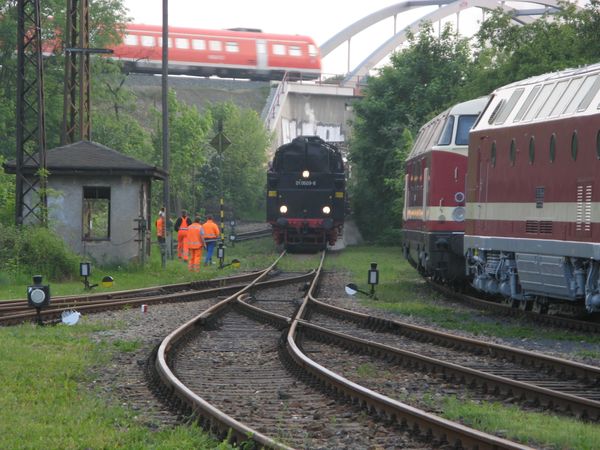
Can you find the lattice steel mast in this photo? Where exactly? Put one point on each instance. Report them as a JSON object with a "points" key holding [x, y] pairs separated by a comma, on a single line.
{"points": [[31, 200], [76, 111]]}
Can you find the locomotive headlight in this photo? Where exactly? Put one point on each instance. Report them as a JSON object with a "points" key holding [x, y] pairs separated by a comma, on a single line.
{"points": [[305, 174], [283, 209], [326, 209], [458, 214]]}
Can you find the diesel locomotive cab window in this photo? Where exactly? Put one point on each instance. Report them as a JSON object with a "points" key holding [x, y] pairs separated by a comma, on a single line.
{"points": [[96, 213], [446, 137], [465, 123]]}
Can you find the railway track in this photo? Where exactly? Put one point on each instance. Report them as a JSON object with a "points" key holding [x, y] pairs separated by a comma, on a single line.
{"points": [[587, 326], [254, 234], [17, 311], [528, 378], [239, 369]]}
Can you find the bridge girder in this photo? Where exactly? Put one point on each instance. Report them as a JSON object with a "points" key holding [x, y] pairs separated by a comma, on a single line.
{"points": [[449, 8]]}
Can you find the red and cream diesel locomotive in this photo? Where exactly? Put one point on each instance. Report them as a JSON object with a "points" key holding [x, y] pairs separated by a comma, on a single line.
{"points": [[434, 204], [533, 192], [234, 53]]}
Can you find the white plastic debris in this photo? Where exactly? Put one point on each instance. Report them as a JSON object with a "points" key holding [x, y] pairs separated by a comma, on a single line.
{"points": [[70, 317]]}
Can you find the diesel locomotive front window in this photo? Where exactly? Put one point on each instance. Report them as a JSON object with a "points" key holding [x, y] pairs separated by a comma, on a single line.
{"points": [[465, 123], [446, 137]]}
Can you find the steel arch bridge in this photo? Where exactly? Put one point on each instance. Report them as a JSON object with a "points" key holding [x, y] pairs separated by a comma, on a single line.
{"points": [[445, 9]]}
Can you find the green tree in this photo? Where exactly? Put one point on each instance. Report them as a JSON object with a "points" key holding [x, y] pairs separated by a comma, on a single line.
{"points": [[240, 170], [189, 133], [421, 80], [507, 52]]}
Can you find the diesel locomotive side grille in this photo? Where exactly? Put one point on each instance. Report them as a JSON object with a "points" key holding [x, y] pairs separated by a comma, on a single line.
{"points": [[532, 226], [583, 221], [545, 227], [538, 226]]}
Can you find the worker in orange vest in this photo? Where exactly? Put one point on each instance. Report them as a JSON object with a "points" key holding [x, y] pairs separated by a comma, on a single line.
{"points": [[181, 226], [160, 226], [211, 235], [195, 243], [161, 234]]}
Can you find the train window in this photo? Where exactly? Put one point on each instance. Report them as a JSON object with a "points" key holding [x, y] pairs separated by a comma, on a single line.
{"points": [[509, 106], [295, 50], [578, 98], [554, 98], [465, 123], [446, 137], [513, 152], [589, 95], [527, 103], [312, 50], [496, 110], [598, 144], [531, 149], [278, 49], [130, 39], [574, 145], [539, 101], [198, 44], [148, 41], [182, 43], [232, 47], [562, 103], [215, 46], [493, 154], [552, 147]]}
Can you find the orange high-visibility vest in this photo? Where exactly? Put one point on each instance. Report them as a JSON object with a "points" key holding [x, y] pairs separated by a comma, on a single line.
{"points": [[160, 227], [211, 230], [194, 236]]}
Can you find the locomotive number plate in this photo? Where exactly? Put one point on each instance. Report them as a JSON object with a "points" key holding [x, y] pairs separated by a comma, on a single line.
{"points": [[307, 183]]}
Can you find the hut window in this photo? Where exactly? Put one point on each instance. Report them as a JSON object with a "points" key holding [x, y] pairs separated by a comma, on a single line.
{"points": [[96, 213]]}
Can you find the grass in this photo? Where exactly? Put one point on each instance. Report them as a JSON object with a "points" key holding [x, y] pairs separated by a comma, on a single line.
{"points": [[45, 374], [45, 402], [535, 429], [402, 291]]}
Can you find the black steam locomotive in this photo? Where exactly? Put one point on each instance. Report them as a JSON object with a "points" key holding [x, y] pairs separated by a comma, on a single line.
{"points": [[306, 194]]}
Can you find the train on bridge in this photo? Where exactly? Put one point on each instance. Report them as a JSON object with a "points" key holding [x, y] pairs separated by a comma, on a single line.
{"points": [[233, 53]]}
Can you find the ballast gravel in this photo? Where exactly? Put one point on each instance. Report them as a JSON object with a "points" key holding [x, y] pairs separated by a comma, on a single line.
{"points": [[123, 379]]}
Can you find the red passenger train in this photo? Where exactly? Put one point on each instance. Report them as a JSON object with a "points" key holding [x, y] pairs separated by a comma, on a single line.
{"points": [[234, 53], [533, 192], [434, 208]]}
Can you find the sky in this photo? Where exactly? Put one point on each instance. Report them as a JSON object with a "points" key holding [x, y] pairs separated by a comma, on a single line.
{"points": [[319, 19]]}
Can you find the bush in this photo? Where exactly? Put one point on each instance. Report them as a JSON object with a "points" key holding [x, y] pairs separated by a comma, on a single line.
{"points": [[389, 237], [36, 250]]}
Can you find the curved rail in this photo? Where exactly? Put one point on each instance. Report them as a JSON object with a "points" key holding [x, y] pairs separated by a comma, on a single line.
{"points": [[219, 421], [442, 429]]}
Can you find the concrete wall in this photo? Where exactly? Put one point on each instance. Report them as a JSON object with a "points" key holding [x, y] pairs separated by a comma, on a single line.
{"points": [[312, 110], [65, 209]]}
